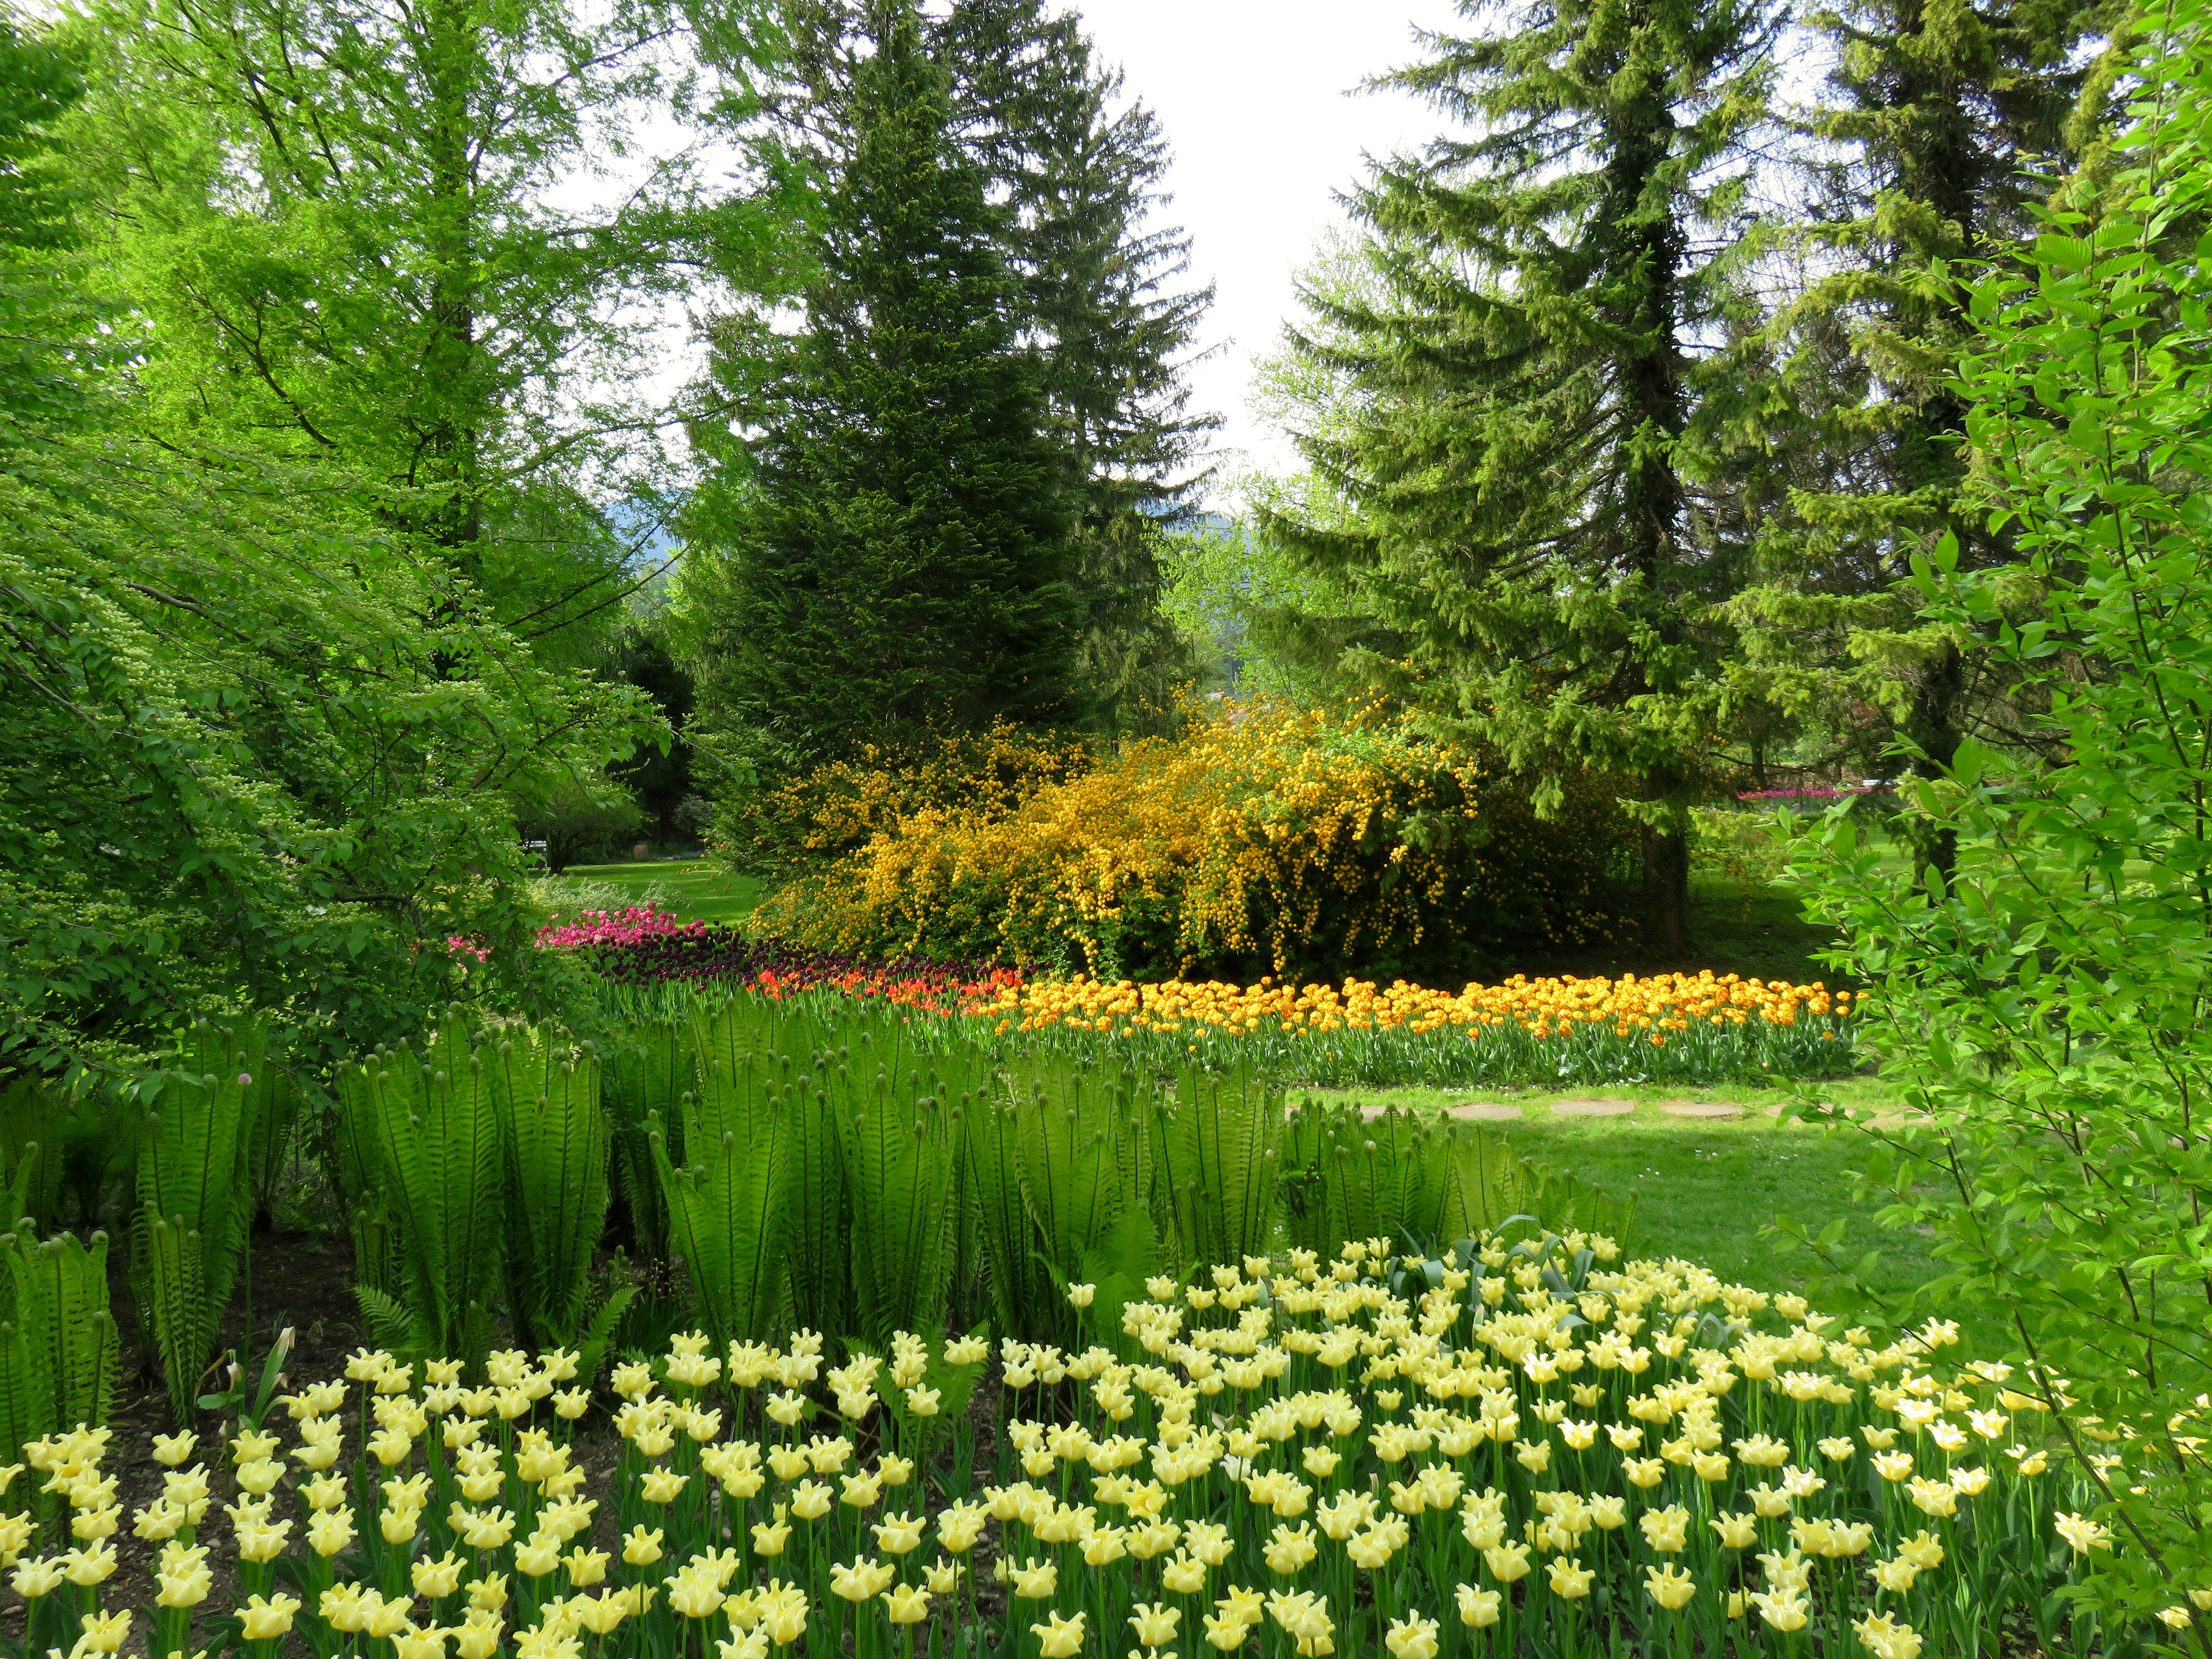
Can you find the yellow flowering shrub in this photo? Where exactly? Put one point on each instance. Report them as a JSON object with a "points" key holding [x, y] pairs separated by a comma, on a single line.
{"points": [[1261, 838]]}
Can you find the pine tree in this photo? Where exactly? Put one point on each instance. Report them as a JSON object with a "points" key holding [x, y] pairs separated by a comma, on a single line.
{"points": [[1524, 533], [1942, 123], [900, 542]]}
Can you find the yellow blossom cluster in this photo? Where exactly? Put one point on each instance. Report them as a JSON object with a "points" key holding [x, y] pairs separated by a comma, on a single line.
{"points": [[1368, 1453], [1655, 1006], [1690, 1028], [1257, 830]]}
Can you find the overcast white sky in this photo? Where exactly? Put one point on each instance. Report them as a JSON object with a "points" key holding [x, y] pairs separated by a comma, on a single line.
{"points": [[1252, 94]]}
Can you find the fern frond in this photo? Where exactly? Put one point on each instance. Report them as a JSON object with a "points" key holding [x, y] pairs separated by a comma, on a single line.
{"points": [[440, 1133], [651, 1065], [547, 1089], [31, 1116], [1220, 1165]]}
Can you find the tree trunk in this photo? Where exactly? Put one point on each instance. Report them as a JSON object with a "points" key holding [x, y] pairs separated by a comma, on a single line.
{"points": [[1666, 878], [1934, 726]]}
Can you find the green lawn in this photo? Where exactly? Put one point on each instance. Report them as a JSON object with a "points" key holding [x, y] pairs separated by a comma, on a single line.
{"points": [[696, 891], [1704, 1189]]}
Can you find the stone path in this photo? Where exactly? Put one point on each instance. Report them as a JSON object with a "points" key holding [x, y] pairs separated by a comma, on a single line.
{"points": [[1716, 1110], [1593, 1108]]}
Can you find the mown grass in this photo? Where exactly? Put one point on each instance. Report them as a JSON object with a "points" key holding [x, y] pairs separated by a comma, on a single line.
{"points": [[696, 891], [1706, 1189]]}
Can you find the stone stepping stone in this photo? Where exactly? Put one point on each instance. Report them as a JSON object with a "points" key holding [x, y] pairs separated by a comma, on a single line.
{"points": [[1484, 1111], [1716, 1110], [1593, 1108]]}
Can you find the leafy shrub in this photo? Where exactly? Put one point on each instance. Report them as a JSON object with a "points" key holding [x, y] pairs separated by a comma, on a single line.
{"points": [[1261, 838], [2045, 1007]]}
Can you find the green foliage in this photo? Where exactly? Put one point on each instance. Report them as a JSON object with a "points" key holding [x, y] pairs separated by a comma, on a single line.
{"points": [[1491, 1189], [1085, 1154], [195, 1197], [555, 1131], [1388, 1177], [1219, 1148], [1023, 1293], [1081, 164], [254, 753], [434, 1125], [2045, 1007], [901, 1140], [1934, 132], [651, 1065], [1413, 1181], [356, 1167], [581, 821], [341, 236], [729, 1204], [59, 1361], [273, 1105], [33, 1114]]}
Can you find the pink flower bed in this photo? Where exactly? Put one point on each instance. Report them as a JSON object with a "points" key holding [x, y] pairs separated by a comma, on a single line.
{"points": [[631, 926]]}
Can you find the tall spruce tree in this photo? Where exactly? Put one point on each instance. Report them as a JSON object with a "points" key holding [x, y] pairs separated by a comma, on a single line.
{"points": [[1940, 124], [1101, 312], [1523, 535], [899, 544]]}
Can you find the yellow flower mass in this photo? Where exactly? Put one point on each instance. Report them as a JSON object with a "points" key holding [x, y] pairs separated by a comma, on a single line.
{"points": [[1160, 1481]]}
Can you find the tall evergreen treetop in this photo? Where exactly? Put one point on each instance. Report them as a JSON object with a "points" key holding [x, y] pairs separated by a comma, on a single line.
{"points": [[1081, 172], [1940, 124], [1523, 396], [903, 555]]}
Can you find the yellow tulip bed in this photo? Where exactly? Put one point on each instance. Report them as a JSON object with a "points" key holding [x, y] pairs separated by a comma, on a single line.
{"points": [[1539, 1451], [1688, 1028]]}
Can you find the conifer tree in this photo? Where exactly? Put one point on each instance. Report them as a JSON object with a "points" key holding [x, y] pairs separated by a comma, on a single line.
{"points": [[1101, 314], [1523, 533], [1940, 124], [899, 545]]}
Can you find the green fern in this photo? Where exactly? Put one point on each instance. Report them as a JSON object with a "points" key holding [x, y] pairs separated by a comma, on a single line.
{"points": [[650, 1065], [1390, 1177], [434, 1126], [59, 1358], [556, 1138], [1492, 1190], [1220, 1165], [1083, 1160], [194, 1199], [359, 1171], [793, 1061], [32, 1115], [726, 1209], [900, 1131], [273, 1106], [1023, 1295]]}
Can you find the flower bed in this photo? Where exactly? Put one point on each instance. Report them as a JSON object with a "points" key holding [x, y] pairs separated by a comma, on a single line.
{"points": [[1686, 1028], [1427, 1457], [646, 951], [1677, 1027]]}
